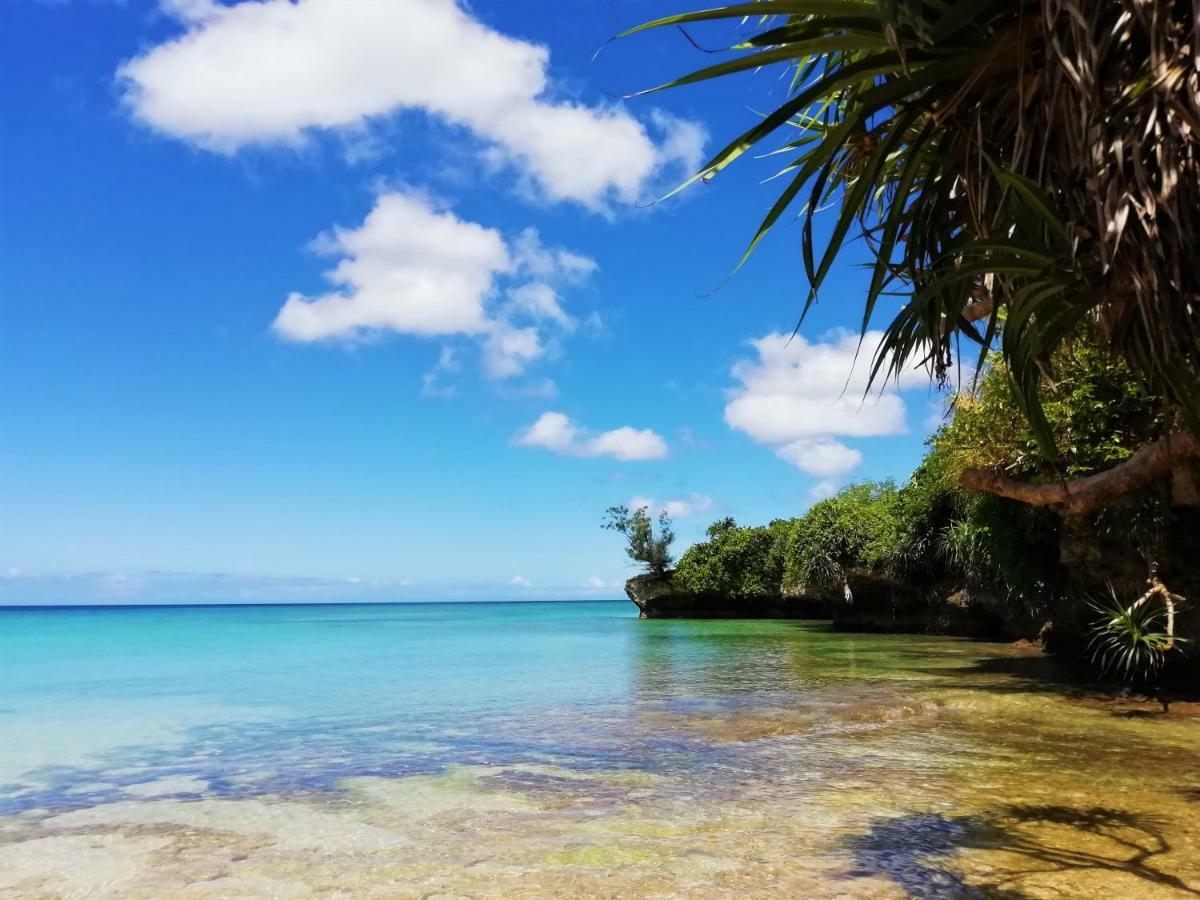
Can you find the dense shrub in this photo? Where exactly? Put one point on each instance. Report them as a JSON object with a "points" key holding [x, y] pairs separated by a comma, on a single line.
{"points": [[1097, 412], [736, 562], [858, 527]]}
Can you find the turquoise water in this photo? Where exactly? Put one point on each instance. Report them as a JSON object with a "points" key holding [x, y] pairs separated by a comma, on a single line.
{"points": [[529, 749], [283, 698]]}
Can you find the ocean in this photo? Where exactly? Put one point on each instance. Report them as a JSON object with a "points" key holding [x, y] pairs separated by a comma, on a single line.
{"points": [[565, 749]]}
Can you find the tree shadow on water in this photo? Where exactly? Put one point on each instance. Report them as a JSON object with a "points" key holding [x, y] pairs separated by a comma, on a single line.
{"points": [[917, 851]]}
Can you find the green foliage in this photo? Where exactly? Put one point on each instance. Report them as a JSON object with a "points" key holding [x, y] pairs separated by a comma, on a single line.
{"points": [[935, 130], [736, 562], [719, 527], [930, 530], [1130, 642], [1097, 413], [924, 506], [858, 527], [1004, 545], [651, 551]]}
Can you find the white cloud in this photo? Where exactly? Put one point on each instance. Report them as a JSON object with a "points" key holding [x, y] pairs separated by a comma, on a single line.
{"points": [[272, 72], [552, 431], [626, 443], [538, 300], [821, 456], [555, 432], [409, 268], [508, 350], [414, 268], [594, 582], [539, 261], [799, 396], [520, 581], [676, 508]]}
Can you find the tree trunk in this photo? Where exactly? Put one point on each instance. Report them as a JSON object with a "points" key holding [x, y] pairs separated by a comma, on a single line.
{"points": [[1147, 465]]}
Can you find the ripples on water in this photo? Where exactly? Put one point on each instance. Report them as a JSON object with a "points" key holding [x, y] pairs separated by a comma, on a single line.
{"points": [[559, 749]]}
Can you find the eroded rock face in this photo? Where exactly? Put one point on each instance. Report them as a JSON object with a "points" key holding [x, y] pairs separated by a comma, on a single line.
{"points": [[657, 597], [879, 603]]}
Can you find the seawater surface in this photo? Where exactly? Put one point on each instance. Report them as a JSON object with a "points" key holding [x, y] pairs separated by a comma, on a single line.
{"points": [[565, 749]]}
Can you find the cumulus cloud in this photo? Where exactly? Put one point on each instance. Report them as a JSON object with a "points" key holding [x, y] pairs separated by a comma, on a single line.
{"points": [[799, 396], [820, 456], [676, 508], [274, 71], [409, 268], [520, 581], [414, 268], [555, 432]]}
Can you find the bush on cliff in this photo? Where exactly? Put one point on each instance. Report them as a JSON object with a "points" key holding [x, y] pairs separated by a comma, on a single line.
{"points": [[736, 562], [858, 527]]}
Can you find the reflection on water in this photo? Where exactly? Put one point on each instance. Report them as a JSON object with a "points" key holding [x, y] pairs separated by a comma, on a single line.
{"points": [[537, 750]]}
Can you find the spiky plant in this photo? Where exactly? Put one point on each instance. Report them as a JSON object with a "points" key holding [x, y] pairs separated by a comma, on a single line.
{"points": [[1017, 167], [964, 545], [1131, 642]]}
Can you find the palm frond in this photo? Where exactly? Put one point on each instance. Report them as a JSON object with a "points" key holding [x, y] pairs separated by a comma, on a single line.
{"points": [[1035, 159]]}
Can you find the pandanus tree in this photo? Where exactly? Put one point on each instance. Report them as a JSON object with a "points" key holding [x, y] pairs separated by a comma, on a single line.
{"points": [[1024, 173]]}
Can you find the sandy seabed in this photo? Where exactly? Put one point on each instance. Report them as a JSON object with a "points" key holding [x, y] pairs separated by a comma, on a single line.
{"points": [[882, 817]]}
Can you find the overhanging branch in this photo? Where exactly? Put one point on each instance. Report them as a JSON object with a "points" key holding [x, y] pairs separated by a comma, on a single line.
{"points": [[1084, 494]]}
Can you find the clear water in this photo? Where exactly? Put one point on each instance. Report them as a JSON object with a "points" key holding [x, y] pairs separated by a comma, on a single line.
{"points": [[565, 749]]}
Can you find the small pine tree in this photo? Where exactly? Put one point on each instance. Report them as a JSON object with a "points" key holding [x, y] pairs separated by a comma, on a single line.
{"points": [[644, 547]]}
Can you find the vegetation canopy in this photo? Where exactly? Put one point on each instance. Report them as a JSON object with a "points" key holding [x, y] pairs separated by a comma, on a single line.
{"points": [[735, 562], [1021, 170]]}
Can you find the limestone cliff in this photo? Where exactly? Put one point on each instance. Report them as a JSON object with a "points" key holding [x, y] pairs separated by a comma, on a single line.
{"points": [[657, 597]]}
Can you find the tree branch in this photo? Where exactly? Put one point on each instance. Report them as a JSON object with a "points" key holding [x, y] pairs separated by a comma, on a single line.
{"points": [[979, 309], [1084, 494]]}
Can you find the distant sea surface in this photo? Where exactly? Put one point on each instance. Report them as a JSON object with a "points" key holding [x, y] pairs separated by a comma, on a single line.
{"points": [[564, 749]]}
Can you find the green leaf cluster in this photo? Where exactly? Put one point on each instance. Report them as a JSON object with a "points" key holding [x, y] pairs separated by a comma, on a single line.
{"points": [[1130, 642], [735, 562], [1097, 412], [858, 527]]}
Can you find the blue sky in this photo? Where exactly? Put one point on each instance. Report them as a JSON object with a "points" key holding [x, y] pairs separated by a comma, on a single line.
{"points": [[367, 300]]}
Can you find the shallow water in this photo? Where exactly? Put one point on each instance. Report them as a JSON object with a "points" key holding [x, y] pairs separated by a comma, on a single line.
{"points": [[532, 750]]}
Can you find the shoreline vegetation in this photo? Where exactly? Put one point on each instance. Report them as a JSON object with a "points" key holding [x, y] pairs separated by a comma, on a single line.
{"points": [[1025, 178], [934, 556]]}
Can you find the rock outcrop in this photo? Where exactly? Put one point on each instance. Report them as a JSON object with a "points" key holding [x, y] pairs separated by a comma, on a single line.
{"points": [[879, 603], [657, 597], [876, 603]]}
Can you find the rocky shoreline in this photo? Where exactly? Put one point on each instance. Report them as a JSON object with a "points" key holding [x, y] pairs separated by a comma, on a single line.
{"points": [[874, 603], [877, 603]]}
